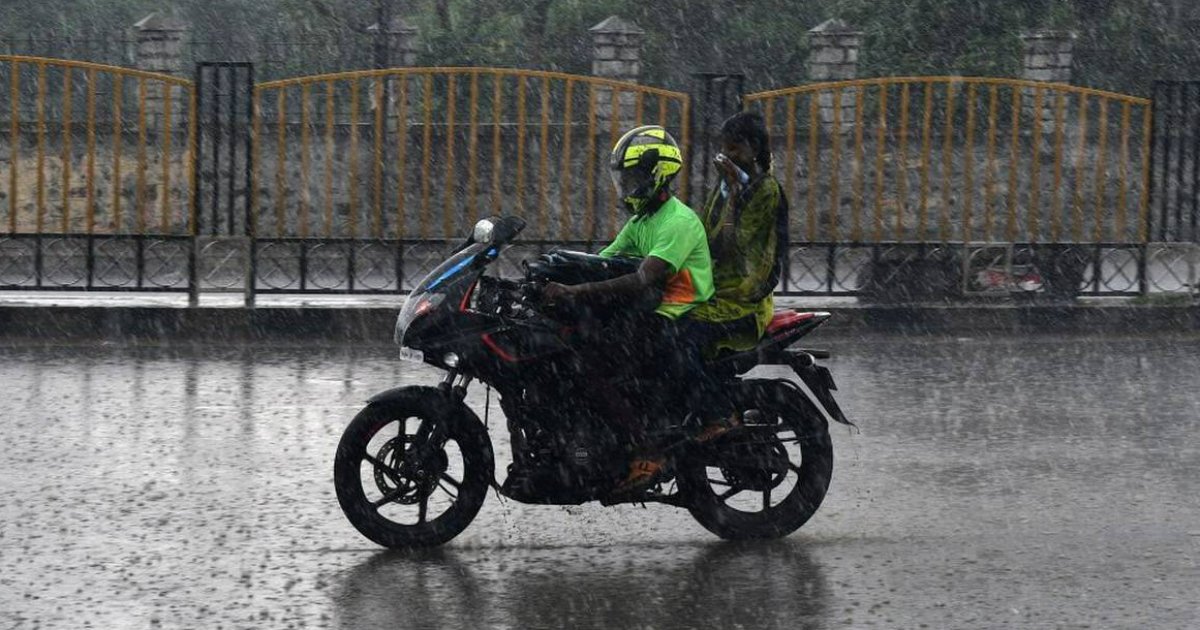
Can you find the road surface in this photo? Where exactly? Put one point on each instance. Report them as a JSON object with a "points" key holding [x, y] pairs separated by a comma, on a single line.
{"points": [[996, 483]]}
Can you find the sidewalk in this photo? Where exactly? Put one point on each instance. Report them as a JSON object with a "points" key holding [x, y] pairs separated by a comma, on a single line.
{"points": [[49, 317], [114, 299]]}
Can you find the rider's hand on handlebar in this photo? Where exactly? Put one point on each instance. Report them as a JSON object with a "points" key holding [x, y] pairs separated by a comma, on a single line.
{"points": [[555, 294]]}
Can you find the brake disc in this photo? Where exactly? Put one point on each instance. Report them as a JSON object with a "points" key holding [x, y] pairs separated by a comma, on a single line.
{"points": [[416, 482]]}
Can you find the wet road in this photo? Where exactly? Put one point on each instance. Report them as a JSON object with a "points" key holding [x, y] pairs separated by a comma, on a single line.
{"points": [[1039, 483]]}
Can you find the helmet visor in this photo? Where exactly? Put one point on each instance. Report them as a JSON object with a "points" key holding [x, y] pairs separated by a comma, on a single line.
{"points": [[628, 182]]}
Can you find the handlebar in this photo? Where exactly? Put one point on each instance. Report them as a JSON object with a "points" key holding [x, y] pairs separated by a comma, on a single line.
{"points": [[529, 293]]}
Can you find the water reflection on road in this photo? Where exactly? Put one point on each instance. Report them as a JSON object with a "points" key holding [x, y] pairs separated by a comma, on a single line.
{"points": [[719, 585]]}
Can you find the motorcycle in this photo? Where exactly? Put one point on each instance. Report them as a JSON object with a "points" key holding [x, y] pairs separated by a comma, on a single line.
{"points": [[413, 468]]}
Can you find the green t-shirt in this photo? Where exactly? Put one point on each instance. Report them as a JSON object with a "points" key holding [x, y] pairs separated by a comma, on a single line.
{"points": [[675, 234]]}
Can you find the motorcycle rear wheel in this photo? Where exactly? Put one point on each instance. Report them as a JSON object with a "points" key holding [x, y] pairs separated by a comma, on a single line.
{"points": [[717, 476], [370, 461]]}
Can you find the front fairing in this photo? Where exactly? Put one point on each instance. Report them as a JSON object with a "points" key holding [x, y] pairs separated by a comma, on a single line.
{"points": [[427, 316], [444, 288]]}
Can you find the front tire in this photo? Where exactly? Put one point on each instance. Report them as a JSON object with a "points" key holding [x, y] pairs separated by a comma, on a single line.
{"points": [[768, 478], [380, 480]]}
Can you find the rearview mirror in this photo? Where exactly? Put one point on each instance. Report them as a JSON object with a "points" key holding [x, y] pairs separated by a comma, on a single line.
{"points": [[497, 230], [484, 231]]}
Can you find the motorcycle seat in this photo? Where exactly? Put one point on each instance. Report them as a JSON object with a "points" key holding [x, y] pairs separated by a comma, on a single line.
{"points": [[784, 328]]}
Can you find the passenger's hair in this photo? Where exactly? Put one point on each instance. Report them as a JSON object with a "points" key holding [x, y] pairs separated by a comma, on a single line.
{"points": [[748, 127]]}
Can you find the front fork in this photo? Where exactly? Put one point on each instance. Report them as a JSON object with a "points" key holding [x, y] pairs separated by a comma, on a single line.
{"points": [[431, 435], [455, 385]]}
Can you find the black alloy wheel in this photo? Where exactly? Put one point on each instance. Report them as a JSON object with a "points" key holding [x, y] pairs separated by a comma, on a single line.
{"points": [[401, 491], [767, 478]]}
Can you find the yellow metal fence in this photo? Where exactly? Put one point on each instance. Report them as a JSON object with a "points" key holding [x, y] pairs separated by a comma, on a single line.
{"points": [[423, 152], [942, 159], [94, 149]]}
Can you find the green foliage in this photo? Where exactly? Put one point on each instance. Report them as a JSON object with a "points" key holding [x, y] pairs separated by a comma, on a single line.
{"points": [[71, 17], [1122, 45]]}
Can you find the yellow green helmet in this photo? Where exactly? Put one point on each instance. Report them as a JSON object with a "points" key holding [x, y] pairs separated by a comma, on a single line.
{"points": [[642, 165]]}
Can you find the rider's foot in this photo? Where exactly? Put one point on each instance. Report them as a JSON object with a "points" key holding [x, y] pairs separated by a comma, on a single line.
{"points": [[718, 427], [644, 472]]}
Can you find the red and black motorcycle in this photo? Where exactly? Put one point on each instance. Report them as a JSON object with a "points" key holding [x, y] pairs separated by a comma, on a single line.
{"points": [[413, 468]]}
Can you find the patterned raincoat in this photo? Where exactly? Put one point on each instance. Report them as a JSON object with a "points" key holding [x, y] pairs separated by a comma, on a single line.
{"points": [[742, 238]]}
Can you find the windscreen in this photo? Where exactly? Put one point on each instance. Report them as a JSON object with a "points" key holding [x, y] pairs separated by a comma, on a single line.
{"points": [[430, 291], [443, 274]]}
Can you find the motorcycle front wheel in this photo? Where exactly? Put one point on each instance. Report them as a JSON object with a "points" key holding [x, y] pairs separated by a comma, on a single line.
{"points": [[402, 492], [767, 478]]}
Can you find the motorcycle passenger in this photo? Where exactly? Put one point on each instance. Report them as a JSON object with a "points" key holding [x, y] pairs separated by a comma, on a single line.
{"points": [[675, 275], [746, 222]]}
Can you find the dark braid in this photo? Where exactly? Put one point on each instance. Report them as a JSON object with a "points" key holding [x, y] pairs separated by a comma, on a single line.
{"points": [[749, 127]]}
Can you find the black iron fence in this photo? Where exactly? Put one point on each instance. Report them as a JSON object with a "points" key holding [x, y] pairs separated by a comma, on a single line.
{"points": [[896, 272], [1175, 177], [905, 272]]}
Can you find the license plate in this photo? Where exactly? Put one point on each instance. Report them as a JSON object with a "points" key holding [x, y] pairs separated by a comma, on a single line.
{"points": [[408, 354]]}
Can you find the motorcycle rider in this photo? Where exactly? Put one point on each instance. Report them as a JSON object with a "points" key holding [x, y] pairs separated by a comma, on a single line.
{"points": [[675, 276]]}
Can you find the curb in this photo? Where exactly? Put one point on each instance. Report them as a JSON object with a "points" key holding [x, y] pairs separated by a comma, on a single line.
{"points": [[355, 325]]}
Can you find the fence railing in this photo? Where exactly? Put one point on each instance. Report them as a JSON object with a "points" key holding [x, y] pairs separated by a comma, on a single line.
{"points": [[423, 152], [946, 159], [112, 178], [94, 149]]}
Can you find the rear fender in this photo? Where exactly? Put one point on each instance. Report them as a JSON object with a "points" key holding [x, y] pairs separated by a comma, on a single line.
{"points": [[816, 382]]}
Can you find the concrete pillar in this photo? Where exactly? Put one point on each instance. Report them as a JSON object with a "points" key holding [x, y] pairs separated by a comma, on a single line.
{"points": [[158, 47], [616, 54], [159, 44], [402, 40], [1048, 57], [833, 49]]}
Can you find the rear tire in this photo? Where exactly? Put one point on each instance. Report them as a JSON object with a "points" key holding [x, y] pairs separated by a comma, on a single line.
{"points": [[354, 474], [800, 430]]}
